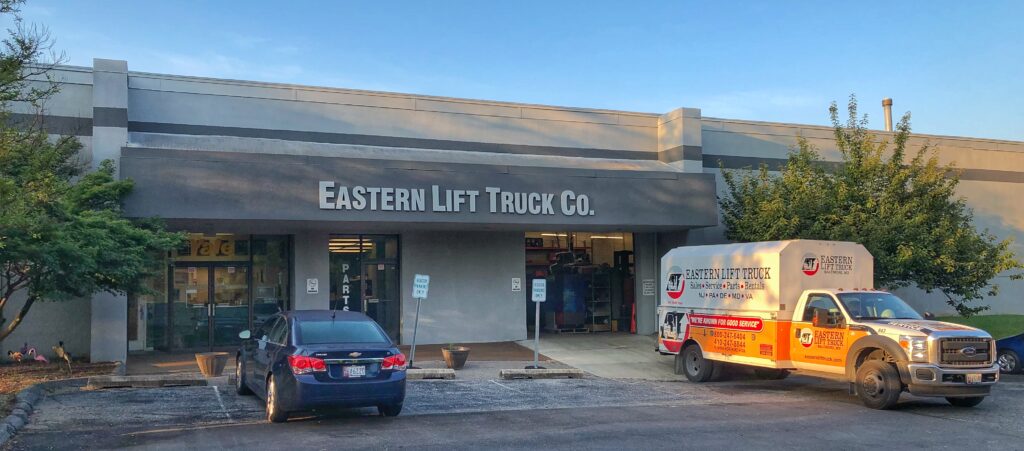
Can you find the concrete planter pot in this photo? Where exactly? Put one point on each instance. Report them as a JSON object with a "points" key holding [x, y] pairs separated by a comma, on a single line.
{"points": [[211, 364], [455, 356]]}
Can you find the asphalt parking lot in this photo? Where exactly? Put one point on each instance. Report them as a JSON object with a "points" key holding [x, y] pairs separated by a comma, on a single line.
{"points": [[800, 412]]}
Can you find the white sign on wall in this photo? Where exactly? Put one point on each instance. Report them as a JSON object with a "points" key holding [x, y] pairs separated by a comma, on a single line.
{"points": [[540, 290], [312, 286], [517, 284], [648, 287], [419, 286]]}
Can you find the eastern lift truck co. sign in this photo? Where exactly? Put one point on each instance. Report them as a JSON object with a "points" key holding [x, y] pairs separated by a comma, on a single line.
{"points": [[443, 200]]}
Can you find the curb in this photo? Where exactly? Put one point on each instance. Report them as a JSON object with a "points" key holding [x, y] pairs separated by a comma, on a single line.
{"points": [[571, 373], [156, 381], [25, 403], [429, 373]]}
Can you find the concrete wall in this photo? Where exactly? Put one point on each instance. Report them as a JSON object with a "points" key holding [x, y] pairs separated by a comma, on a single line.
{"points": [[311, 261], [470, 297], [48, 323], [158, 100]]}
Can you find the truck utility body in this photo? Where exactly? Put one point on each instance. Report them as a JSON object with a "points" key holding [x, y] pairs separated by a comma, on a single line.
{"points": [[808, 305]]}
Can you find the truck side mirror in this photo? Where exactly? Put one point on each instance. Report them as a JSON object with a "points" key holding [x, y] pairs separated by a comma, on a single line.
{"points": [[929, 315]]}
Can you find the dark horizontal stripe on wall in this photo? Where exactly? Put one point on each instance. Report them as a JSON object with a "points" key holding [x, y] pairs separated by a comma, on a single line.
{"points": [[679, 153], [54, 125], [110, 117], [734, 162], [387, 141]]}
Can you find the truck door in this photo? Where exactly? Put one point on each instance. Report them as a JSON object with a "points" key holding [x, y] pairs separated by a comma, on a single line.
{"points": [[819, 345]]}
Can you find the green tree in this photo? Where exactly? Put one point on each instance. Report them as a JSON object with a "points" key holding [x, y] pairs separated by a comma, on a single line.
{"points": [[902, 208], [62, 231]]}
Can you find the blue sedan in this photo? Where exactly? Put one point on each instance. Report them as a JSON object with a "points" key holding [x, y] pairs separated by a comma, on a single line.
{"points": [[303, 360], [1010, 350]]}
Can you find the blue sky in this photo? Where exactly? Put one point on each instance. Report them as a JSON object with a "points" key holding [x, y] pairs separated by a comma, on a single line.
{"points": [[957, 66]]}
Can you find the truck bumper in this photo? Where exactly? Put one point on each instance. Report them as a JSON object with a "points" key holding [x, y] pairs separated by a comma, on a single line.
{"points": [[931, 380]]}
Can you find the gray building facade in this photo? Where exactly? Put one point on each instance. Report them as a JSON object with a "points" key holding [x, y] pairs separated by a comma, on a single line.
{"points": [[311, 198]]}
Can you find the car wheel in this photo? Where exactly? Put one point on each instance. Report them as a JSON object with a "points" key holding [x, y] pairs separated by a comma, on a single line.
{"points": [[391, 410], [275, 414], [1009, 362], [695, 367], [878, 385], [966, 402], [241, 386], [770, 374]]}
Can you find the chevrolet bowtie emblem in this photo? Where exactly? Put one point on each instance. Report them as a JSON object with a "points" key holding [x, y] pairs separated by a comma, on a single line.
{"points": [[355, 354]]}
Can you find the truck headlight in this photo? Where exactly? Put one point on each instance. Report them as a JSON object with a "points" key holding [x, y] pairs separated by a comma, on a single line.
{"points": [[916, 347]]}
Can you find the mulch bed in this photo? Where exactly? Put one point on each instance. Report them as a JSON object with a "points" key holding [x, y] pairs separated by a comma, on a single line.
{"points": [[15, 377]]}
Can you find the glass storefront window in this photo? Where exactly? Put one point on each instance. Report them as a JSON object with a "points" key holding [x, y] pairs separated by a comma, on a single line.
{"points": [[270, 277], [147, 315], [219, 284]]}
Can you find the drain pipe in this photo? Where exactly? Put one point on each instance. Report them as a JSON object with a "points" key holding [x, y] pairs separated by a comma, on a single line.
{"points": [[887, 108]]}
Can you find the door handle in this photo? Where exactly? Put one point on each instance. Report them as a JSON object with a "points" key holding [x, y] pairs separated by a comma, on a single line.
{"points": [[797, 333]]}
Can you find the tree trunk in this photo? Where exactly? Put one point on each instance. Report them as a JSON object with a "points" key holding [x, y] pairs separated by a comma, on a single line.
{"points": [[17, 319]]}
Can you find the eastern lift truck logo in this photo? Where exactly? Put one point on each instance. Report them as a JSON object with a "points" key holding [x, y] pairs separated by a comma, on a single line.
{"points": [[676, 283], [827, 264], [811, 265]]}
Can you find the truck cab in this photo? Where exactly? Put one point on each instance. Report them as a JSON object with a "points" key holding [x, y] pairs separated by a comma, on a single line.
{"points": [[843, 331]]}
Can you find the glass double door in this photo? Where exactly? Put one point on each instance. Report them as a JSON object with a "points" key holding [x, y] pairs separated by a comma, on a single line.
{"points": [[209, 304]]}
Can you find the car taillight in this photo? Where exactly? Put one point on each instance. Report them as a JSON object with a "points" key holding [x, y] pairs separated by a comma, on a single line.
{"points": [[396, 362], [304, 365]]}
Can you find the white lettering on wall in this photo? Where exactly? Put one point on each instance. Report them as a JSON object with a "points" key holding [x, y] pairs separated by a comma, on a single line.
{"points": [[443, 200]]}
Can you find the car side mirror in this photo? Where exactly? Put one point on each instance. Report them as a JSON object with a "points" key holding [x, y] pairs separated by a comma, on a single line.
{"points": [[245, 334], [929, 315]]}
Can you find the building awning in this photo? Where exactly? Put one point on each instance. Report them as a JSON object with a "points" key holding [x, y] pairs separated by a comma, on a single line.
{"points": [[316, 191]]}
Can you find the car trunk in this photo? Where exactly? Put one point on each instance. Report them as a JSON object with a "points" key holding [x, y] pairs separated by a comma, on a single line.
{"points": [[351, 362]]}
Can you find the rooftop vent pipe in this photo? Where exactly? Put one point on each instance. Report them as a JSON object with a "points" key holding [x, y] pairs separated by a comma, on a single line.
{"points": [[887, 107]]}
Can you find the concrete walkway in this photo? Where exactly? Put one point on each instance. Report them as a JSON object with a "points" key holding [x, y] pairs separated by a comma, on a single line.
{"points": [[610, 355]]}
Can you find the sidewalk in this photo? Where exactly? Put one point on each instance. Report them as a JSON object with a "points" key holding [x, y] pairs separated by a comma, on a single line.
{"points": [[427, 356], [159, 362], [610, 355]]}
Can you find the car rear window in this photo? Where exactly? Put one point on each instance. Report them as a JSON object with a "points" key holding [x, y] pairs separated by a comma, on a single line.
{"points": [[323, 332]]}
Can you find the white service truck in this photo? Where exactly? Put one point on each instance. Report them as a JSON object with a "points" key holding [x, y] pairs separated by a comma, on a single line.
{"points": [[810, 305]]}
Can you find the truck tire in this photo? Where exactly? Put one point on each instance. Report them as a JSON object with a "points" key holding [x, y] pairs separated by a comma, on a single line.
{"points": [[694, 366], [969, 401], [1009, 361], [770, 374], [878, 384]]}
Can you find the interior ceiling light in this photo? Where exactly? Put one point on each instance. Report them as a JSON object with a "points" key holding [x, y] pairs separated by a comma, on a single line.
{"points": [[553, 234], [602, 237]]}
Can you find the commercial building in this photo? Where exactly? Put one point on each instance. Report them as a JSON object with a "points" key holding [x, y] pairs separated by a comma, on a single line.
{"points": [[300, 197]]}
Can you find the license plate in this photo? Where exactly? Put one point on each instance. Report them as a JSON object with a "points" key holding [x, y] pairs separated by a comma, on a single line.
{"points": [[973, 378], [360, 371]]}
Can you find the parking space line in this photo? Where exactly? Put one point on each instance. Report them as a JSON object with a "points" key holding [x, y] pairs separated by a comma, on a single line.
{"points": [[220, 400], [504, 386]]}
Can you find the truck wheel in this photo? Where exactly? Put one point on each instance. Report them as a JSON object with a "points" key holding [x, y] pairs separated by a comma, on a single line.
{"points": [[770, 374], [970, 401], [1009, 361], [878, 385], [695, 367]]}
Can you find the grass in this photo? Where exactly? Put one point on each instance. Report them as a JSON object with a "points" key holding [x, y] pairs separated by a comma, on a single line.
{"points": [[15, 377], [999, 326]]}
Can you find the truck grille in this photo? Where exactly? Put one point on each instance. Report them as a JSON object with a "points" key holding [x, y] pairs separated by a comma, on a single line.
{"points": [[958, 351]]}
